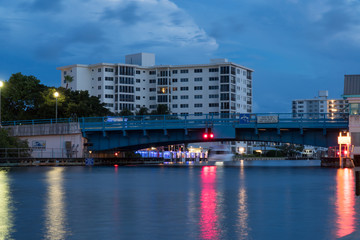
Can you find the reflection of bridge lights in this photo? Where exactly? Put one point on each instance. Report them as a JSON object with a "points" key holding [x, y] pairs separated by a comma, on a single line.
{"points": [[345, 203], [208, 215]]}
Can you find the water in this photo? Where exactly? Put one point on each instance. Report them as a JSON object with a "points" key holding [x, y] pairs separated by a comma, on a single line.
{"points": [[255, 200]]}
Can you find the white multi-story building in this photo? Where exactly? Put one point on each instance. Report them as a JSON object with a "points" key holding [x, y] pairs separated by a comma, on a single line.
{"points": [[320, 104], [217, 87]]}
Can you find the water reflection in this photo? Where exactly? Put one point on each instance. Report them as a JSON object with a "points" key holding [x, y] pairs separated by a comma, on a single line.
{"points": [[345, 202], [6, 215], [55, 207], [243, 214], [208, 216]]}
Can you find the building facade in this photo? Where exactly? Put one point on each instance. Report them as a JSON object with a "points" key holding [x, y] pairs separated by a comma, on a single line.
{"points": [[318, 106], [217, 87]]}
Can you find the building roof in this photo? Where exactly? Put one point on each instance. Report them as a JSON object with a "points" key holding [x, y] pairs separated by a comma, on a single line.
{"points": [[351, 85]]}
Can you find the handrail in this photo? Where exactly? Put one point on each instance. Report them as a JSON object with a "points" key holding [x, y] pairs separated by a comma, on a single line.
{"points": [[137, 121]]}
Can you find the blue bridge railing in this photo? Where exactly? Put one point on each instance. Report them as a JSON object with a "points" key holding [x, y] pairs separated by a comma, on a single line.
{"points": [[250, 120]]}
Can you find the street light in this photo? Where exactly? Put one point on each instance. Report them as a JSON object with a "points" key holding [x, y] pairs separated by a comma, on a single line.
{"points": [[1, 85], [56, 95]]}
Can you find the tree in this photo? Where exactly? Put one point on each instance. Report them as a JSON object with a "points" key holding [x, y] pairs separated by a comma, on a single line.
{"points": [[68, 79], [22, 97], [142, 111], [162, 109], [25, 98], [7, 141], [126, 112]]}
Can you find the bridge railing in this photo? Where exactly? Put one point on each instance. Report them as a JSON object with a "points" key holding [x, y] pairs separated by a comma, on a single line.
{"points": [[207, 120], [37, 121]]}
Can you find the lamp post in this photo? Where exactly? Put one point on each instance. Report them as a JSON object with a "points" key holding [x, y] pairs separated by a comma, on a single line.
{"points": [[56, 95], [1, 85]]}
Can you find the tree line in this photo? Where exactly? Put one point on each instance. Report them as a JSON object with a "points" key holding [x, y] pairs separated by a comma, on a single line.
{"points": [[25, 98]]}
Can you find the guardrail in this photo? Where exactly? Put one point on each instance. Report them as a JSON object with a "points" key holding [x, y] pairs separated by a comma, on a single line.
{"points": [[210, 120], [190, 120], [27, 153]]}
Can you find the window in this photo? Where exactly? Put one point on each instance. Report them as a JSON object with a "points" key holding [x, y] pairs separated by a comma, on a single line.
{"points": [[224, 79], [174, 71], [99, 87], [109, 70], [184, 71], [184, 88], [162, 81], [152, 81], [213, 96], [109, 79], [99, 96], [174, 97], [198, 105], [99, 69], [109, 96], [138, 80], [224, 70], [174, 105], [174, 89], [213, 104], [213, 87], [213, 69], [224, 88], [174, 80], [198, 96], [184, 97], [184, 105], [224, 96], [137, 97], [196, 88], [109, 87], [137, 89], [152, 89], [213, 79], [199, 70], [184, 80], [152, 72], [152, 98], [198, 113], [198, 79], [99, 78], [152, 106], [138, 72]]}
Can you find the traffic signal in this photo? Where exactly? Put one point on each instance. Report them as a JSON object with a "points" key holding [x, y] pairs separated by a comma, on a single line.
{"points": [[208, 135]]}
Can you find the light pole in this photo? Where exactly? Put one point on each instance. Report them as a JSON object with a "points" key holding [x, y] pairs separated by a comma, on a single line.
{"points": [[1, 85], [56, 95]]}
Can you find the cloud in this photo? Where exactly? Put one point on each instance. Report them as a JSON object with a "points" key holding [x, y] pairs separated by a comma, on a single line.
{"points": [[80, 27], [53, 6]]}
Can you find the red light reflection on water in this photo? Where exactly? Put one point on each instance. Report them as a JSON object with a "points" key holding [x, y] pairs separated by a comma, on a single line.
{"points": [[208, 215], [345, 202]]}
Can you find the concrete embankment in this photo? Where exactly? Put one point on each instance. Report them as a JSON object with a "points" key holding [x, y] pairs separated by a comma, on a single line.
{"points": [[24, 162]]}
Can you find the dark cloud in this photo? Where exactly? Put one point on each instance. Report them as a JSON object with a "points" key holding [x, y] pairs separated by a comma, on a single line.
{"points": [[90, 34], [53, 6], [338, 20], [126, 14]]}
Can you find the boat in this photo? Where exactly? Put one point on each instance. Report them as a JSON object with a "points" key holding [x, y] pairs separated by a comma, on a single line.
{"points": [[219, 153]]}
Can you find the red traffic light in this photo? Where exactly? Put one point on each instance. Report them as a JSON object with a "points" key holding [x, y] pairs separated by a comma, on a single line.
{"points": [[205, 136], [211, 135]]}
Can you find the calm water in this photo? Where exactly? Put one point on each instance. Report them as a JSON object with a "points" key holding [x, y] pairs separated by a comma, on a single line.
{"points": [[258, 200]]}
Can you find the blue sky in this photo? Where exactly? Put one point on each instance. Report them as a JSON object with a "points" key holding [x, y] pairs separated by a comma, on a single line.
{"points": [[296, 48]]}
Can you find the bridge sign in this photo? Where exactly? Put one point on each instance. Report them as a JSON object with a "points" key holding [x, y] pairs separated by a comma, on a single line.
{"points": [[268, 119], [244, 118]]}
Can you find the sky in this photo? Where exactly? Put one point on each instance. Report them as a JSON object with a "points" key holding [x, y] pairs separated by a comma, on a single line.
{"points": [[295, 47]]}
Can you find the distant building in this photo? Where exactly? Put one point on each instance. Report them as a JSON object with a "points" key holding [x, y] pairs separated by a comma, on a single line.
{"points": [[213, 88], [318, 106], [217, 87], [352, 95]]}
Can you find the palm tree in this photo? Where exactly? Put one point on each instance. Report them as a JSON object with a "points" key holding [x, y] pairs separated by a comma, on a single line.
{"points": [[68, 79]]}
